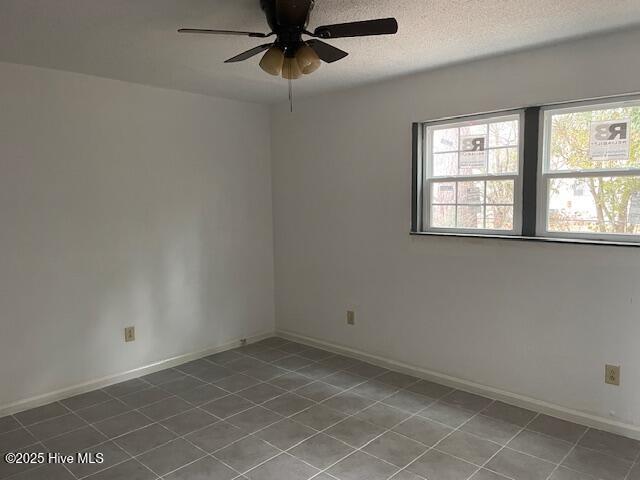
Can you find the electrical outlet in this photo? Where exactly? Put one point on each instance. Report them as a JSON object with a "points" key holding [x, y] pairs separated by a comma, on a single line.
{"points": [[612, 374], [351, 317], [129, 334], [243, 342]]}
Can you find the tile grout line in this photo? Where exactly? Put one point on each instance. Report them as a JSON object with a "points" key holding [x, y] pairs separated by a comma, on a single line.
{"points": [[573, 447], [131, 457], [387, 430], [537, 414], [317, 432], [457, 429], [72, 412], [633, 465], [250, 435], [185, 374], [381, 401], [429, 447], [317, 403], [599, 452], [153, 422], [522, 429], [158, 422], [44, 446], [112, 439], [296, 413], [312, 380], [343, 368], [454, 429]]}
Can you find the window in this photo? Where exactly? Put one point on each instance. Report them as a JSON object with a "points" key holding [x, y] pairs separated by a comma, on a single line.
{"points": [[472, 182], [590, 175], [554, 173]]}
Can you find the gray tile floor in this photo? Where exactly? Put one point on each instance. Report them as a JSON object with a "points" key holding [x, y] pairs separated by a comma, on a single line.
{"points": [[278, 410]]}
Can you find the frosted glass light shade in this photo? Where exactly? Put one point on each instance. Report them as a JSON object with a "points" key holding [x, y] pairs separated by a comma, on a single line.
{"points": [[272, 61], [308, 59], [291, 69]]}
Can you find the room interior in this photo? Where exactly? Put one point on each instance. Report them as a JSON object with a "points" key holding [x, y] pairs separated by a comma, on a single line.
{"points": [[404, 249]]}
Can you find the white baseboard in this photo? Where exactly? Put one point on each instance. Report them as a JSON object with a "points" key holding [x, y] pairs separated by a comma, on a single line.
{"points": [[67, 392], [569, 414]]}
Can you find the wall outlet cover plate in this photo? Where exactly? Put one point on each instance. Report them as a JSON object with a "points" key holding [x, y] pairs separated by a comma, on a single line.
{"points": [[129, 334], [612, 374], [351, 317]]}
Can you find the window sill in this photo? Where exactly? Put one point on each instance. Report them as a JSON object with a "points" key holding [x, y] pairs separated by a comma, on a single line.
{"points": [[569, 241]]}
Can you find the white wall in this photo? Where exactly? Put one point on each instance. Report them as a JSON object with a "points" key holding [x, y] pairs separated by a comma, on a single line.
{"points": [[539, 320], [122, 205]]}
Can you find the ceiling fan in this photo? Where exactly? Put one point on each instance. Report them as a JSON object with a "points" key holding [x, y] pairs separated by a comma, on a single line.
{"points": [[290, 55]]}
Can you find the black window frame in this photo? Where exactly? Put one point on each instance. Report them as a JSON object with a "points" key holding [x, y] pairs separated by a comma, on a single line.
{"points": [[532, 133]]}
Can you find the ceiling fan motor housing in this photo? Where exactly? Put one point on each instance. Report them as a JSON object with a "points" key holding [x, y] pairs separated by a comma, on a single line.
{"points": [[288, 20]]}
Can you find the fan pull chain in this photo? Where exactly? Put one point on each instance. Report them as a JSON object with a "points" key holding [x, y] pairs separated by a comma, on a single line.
{"points": [[290, 91]]}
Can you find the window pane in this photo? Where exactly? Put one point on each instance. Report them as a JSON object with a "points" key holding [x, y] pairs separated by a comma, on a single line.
{"points": [[475, 147], [503, 134], [500, 192], [499, 218], [604, 205], [598, 139], [443, 216], [503, 161], [445, 140], [470, 192], [470, 217], [443, 192], [471, 169], [445, 164], [477, 128]]}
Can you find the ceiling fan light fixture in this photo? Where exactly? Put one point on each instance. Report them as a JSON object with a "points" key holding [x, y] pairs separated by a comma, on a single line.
{"points": [[289, 55], [272, 61], [291, 69], [308, 60]]}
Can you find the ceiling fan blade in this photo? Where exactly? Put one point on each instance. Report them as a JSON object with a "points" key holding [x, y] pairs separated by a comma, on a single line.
{"points": [[224, 32], [249, 53], [383, 26], [327, 53], [293, 12]]}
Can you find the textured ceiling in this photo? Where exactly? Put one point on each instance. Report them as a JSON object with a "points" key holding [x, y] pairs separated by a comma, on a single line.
{"points": [[136, 40]]}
